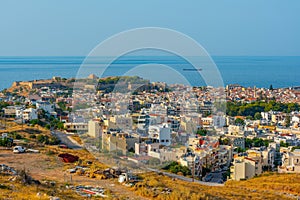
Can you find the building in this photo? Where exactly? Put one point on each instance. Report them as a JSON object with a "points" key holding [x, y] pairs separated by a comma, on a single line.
{"points": [[174, 124], [123, 122], [76, 127], [143, 120], [27, 114], [45, 105], [165, 154], [207, 122], [193, 162], [118, 142], [245, 168], [290, 162], [94, 129], [237, 141], [10, 111], [160, 134], [278, 117], [219, 121], [269, 155], [235, 130], [141, 149]]}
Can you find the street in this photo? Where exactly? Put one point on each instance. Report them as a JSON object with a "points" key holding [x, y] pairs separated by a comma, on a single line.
{"points": [[65, 139], [185, 178]]}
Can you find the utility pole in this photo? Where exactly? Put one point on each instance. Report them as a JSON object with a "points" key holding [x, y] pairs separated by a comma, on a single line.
{"points": [[193, 163], [116, 148], [22, 119]]}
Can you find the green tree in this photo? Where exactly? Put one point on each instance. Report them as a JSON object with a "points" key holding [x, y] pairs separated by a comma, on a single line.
{"points": [[3, 104], [36, 121], [240, 150], [239, 121], [250, 109], [7, 142], [224, 141], [175, 168], [256, 142], [257, 116], [283, 144], [53, 140], [48, 126], [201, 132], [42, 138], [287, 121]]}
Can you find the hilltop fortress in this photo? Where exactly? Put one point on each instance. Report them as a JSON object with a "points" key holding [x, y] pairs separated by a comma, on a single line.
{"points": [[54, 82]]}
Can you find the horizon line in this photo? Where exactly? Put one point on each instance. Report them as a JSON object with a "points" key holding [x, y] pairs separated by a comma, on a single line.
{"points": [[23, 56]]}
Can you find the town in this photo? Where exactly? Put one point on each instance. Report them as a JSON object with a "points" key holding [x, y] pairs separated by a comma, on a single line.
{"points": [[153, 126]]}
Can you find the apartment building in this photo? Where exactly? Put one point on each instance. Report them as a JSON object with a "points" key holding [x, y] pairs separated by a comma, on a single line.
{"points": [[245, 168], [76, 127], [94, 129], [27, 114], [290, 162], [118, 142], [160, 134]]}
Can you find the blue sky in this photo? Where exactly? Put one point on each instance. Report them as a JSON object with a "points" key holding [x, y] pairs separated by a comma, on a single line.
{"points": [[223, 27]]}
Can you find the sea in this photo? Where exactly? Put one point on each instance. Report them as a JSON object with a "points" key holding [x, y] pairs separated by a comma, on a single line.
{"points": [[248, 71]]}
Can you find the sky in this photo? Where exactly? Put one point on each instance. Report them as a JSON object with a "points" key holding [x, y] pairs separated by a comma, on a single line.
{"points": [[222, 27]]}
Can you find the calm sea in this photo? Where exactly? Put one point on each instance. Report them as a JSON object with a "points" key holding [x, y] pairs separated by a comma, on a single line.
{"points": [[246, 71]]}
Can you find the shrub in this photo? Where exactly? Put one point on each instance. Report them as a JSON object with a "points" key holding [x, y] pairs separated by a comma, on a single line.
{"points": [[17, 136], [52, 140], [6, 142], [32, 136], [176, 168]]}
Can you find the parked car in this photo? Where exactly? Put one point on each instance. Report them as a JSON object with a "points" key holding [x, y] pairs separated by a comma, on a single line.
{"points": [[19, 149], [63, 146], [208, 177]]}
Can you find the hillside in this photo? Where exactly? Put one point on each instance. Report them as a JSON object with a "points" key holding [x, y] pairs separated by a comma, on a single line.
{"points": [[270, 186], [45, 166]]}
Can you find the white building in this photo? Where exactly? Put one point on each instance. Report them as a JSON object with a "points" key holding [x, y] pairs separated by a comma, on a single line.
{"points": [[219, 121], [27, 114], [268, 157], [45, 105], [266, 116], [166, 153], [295, 118], [290, 162], [161, 134]]}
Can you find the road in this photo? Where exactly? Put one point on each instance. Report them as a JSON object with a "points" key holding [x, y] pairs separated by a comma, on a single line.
{"points": [[184, 178], [65, 139]]}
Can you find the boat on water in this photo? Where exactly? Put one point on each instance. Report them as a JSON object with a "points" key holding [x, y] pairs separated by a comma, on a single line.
{"points": [[191, 69]]}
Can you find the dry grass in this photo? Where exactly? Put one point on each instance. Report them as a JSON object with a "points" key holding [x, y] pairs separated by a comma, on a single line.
{"points": [[283, 186], [77, 139], [24, 130], [271, 183], [15, 190]]}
